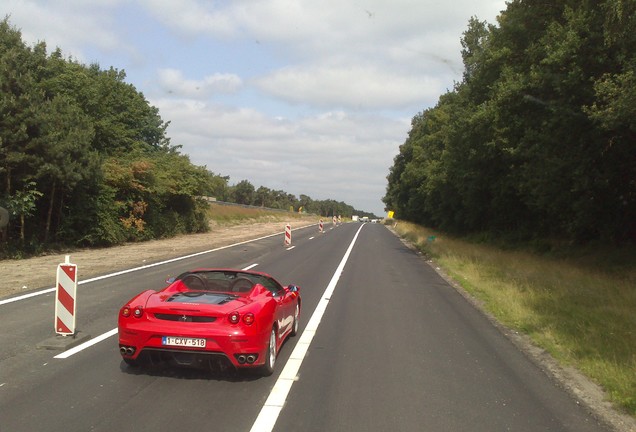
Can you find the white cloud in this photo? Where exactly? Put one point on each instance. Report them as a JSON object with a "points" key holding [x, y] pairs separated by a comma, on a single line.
{"points": [[191, 17], [70, 25], [352, 86], [331, 155], [335, 53], [173, 81]]}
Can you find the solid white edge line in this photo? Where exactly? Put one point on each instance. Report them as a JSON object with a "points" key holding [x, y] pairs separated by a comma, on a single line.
{"points": [[26, 296], [75, 350], [49, 290], [274, 404]]}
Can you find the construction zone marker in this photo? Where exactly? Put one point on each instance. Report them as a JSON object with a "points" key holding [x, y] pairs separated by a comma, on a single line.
{"points": [[287, 235], [65, 296]]}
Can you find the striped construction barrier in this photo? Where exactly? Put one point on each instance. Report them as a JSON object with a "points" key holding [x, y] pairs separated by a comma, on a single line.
{"points": [[287, 235], [65, 298]]}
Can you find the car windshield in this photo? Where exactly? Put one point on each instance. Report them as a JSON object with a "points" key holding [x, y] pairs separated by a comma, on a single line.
{"points": [[226, 281]]}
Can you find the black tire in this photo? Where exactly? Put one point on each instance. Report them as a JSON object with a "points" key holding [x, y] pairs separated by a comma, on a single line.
{"points": [[270, 355], [294, 331]]}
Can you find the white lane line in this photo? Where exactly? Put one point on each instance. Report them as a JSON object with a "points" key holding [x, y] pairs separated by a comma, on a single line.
{"points": [[26, 296], [250, 266], [291, 247], [274, 404], [311, 238], [75, 350], [49, 290]]}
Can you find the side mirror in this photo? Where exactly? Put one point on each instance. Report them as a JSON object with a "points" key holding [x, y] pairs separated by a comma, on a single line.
{"points": [[292, 288]]}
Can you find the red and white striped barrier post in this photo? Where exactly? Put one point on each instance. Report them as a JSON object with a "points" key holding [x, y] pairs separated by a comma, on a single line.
{"points": [[287, 235], [321, 226], [65, 298]]}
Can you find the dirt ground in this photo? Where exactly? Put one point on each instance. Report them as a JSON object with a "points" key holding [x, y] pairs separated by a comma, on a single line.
{"points": [[21, 276]]}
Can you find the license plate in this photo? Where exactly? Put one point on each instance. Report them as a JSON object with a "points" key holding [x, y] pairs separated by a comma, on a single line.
{"points": [[182, 341]]}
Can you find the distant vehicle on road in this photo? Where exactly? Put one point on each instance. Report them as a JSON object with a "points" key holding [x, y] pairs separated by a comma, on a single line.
{"points": [[211, 317]]}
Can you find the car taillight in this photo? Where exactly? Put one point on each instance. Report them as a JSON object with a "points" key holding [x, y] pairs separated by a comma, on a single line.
{"points": [[125, 311], [138, 312], [235, 318], [248, 318]]}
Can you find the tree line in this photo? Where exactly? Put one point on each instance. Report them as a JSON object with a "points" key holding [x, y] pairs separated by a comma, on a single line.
{"points": [[246, 193], [539, 137], [85, 159]]}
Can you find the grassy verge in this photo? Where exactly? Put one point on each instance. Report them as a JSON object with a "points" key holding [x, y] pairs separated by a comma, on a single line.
{"points": [[573, 304], [227, 215]]}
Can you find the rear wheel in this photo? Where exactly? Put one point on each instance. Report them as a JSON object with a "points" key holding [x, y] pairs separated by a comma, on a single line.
{"points": [[294, 331], [270, 355]]}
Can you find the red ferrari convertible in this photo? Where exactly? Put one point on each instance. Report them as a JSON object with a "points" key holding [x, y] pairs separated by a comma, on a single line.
{"points": [[211, 317]]}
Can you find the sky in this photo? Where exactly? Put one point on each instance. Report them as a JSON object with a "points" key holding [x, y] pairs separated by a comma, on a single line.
{"points": [[311, 97]]}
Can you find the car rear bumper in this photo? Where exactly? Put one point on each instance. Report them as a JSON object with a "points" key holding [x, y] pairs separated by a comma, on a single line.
{"points": [[240, 348]]}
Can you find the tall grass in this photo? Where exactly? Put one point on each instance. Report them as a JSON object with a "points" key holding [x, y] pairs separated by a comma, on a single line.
{"points": [[231, 215], [582, 312]]}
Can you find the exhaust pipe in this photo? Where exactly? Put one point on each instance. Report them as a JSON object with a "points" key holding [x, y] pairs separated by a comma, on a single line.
{"points": [[127, 350], [251, 358], [241, 359]]}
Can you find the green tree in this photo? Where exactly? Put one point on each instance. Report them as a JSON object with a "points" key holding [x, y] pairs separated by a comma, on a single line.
{"points": [[263, 197], [65, 158], [243, 192], [18, 102], [23, 204], [538, 137], [217, 186]]}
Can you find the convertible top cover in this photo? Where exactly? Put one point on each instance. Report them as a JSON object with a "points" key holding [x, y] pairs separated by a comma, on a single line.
{"points": [[201, 298]]}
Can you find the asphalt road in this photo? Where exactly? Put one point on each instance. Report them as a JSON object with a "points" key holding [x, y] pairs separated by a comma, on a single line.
{"points": [[396, 349]]}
